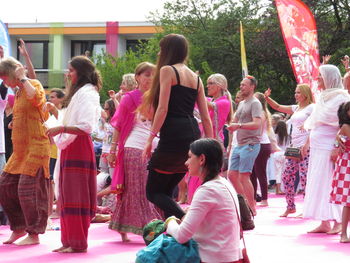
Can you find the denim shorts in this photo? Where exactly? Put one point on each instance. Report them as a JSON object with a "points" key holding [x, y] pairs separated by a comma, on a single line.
{"points": [[243, 157]]}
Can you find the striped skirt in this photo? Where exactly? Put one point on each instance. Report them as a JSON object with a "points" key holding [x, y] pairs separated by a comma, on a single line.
{"points": [[77, 187]]}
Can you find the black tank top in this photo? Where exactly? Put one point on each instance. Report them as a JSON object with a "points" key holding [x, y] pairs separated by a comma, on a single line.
{"points": [[182, 99]]}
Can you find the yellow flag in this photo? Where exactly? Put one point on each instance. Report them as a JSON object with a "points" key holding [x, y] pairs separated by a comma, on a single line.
{"points": [[243, 54]]}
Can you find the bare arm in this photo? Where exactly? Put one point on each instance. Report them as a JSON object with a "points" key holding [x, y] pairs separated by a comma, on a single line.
{"points": [[282, 108], [253, 125], [24, 53], [65, 129], [203, 110], [28, 87]]}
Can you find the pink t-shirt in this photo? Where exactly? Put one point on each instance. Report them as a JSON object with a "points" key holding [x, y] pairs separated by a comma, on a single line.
{"points": [[222, 107]]}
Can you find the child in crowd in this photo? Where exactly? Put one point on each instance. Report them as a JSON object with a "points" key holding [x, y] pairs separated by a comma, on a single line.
{"points": [[341, 179]]}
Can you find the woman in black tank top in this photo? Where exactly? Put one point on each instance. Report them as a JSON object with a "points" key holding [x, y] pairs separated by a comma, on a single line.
{"points": [[174, 92]]}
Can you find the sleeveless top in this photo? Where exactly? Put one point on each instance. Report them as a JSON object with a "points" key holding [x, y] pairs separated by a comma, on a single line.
{"points": [[178, 131]]}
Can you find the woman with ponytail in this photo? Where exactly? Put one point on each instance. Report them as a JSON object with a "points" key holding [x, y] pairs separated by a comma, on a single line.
{"points": [[172, 96], [77, 175]]}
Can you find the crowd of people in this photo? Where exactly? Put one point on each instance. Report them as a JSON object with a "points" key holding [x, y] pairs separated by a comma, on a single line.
{"points": [[160, 140]]}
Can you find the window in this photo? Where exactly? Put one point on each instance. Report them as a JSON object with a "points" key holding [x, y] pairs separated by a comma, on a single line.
{"points": [[38, 53], [79, 47]]}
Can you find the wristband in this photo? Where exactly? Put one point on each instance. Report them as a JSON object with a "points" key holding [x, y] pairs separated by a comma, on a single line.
{"points": [[336, 144], [168, 220], [154, 134]]}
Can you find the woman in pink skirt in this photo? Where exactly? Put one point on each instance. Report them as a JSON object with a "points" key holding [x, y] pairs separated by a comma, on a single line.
{"points": [[133, 210]]}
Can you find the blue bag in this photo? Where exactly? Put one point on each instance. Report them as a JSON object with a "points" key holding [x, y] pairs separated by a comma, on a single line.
{"points": [[165, 249]]}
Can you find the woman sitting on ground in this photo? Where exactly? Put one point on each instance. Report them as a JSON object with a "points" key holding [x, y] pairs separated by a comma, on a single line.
{"points": [[214, 200]]}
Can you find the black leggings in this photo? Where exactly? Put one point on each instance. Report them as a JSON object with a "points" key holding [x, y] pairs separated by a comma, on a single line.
{"points": [[159, 191]]}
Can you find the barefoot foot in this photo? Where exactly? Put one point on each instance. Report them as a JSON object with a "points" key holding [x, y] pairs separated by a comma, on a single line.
{"points": [[29, 240], [124, 237], [263, 203], [287, 212], [335, 230], [72, 250], [344, 239], [14, 236], [59, 249], [321, 229]]}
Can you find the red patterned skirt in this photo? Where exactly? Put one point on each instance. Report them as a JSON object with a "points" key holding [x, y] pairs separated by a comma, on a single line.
{"points": [[77, 188]]}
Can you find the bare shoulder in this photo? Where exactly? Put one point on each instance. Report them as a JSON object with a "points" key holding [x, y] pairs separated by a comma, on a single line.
{"points": [[345, 130], [166, 69]]}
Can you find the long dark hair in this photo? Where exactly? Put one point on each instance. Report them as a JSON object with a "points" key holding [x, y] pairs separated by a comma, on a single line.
{"points": [[173, 50], [87, 73], [212, 151], [282, 133], [111, 107], [343, 114]]}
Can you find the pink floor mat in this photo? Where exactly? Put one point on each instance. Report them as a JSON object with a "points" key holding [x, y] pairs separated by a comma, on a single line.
{"points": [[275, 239]]}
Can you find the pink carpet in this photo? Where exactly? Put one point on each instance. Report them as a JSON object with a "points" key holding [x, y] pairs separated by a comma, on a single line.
{"points": [[274, 240]]}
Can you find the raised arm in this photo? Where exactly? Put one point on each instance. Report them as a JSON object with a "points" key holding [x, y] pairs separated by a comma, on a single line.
{"points": [[281, 108], [24, 53], [203, 110]]}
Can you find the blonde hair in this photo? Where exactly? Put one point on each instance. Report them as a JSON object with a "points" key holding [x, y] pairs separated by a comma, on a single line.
{"points": [[221, 81], [129, 80], [306, 92], [261, 98], [8, 67]]}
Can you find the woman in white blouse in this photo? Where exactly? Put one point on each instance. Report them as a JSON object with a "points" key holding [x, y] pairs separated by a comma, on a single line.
{"points": [[215, 199]]}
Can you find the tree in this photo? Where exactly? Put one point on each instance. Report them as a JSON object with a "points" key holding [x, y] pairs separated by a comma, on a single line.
{"points": [[212, 28]]}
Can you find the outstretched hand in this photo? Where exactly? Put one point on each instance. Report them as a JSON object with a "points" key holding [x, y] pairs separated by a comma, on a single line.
{"points": [[325, 59], [267, 93]]}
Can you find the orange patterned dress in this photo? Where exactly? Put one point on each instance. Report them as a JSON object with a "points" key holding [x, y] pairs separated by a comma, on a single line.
{"points": [[31, 145]]}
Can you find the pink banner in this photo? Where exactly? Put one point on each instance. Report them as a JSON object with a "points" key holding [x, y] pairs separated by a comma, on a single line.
{"points": [[112, 34], [299, 31]]}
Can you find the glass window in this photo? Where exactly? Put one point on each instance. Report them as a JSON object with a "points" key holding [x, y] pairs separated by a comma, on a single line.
{"points": [[98, 49], [38, 53]]}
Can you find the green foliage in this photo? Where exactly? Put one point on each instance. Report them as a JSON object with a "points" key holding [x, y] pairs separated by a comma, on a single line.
{"points": [[112, 68], [212, 28]]}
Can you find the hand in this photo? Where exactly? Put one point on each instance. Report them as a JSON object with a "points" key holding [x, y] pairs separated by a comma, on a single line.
{"points": [[267, 93], [325, 59], [54, 131], [146, 154], [233, 127], [304, 149], [20, 72], [48, 107], [341, 142], [119, 95], [345, 61], [111, 94], [111, 158], [334, 154], [22, 48]]}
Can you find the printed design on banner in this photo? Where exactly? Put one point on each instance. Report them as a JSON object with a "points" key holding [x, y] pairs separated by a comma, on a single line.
{"points": [[299, 31], [5, 39]]}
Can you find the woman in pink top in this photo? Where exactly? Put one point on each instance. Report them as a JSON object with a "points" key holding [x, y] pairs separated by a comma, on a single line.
{"points": [[218, 240], [220, 112]]}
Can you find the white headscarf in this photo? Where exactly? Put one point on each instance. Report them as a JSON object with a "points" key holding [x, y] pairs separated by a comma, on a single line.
{"points": [[329, 100]]}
